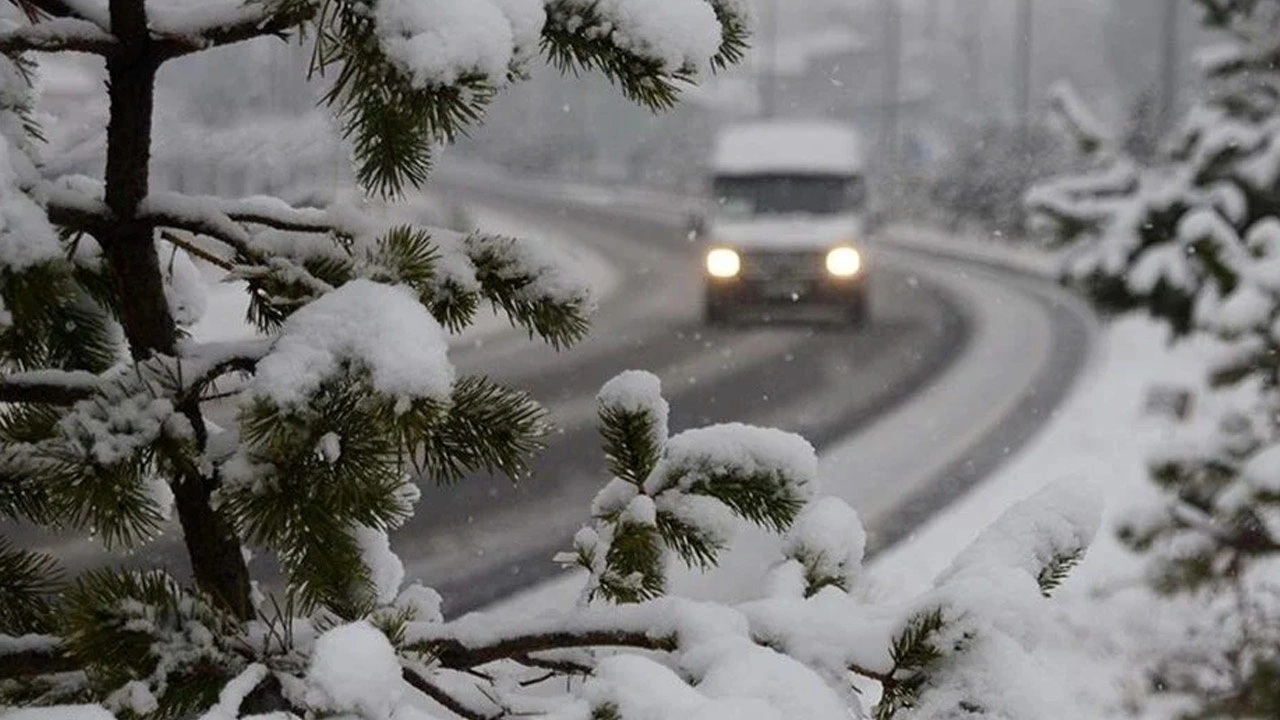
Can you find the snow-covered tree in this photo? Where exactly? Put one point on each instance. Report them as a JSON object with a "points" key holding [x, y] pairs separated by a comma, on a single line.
{"points": [[307, 443], [1194, 239]]}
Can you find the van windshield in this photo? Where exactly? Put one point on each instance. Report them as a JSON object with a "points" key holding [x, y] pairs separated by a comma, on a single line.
{"points": [[751, 195]]}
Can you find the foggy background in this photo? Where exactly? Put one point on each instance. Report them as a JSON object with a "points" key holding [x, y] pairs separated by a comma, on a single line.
{"points": [[951, 111]]}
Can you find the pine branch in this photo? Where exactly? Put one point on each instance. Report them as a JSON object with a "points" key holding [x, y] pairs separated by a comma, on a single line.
{"points": [[449, 702], [735, 34], [561, 667], [913, 652], [763, 498], [453, 654], [695, 545], [66, 34], [391, 121], [1056, 571], [195, 251], [35, 9], [52, 387], [30, 663], [125, 626], [632, 442], [28, 581], [70, 209], [255, 19], [486, 427], [634, 564], [576, 38], [514, 287]]}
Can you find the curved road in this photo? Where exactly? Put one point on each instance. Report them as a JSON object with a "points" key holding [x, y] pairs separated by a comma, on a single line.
{"points": [[484, 538]]}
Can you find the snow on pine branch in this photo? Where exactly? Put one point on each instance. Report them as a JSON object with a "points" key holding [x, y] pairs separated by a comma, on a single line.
{"points": [[379, 328], [26, 236], [438, 41], [678, 36], [1058, 521], [56, 35], [681, 495]]}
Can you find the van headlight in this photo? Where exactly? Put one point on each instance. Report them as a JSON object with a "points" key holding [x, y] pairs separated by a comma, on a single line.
{"points": [[723, 263], [844, 262]]}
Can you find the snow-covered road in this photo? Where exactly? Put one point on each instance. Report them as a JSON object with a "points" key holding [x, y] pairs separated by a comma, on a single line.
{"points": [[962, 364]]}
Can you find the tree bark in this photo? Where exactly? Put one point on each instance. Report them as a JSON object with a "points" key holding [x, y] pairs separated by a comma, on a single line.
{"points": [[128, 244]]}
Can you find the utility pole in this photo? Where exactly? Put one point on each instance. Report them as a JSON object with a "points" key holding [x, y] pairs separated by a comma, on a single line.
{"points": [[768, 74], [1022, 66], [975, 17], [933, 43], [891, 92], [1169, 66]]}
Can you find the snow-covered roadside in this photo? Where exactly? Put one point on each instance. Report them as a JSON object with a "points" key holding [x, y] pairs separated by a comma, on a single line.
{"points": [[1108, 622], [990, 250]]}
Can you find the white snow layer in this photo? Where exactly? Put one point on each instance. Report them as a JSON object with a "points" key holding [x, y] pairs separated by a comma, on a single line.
{"points": [[354, 669], [828, 539], [381, 328], [788, 146], [385, 568], [184, 287], [438, 41], [26, 237], [638, 391], [1060, 520], [698, 455], [678, 34]]}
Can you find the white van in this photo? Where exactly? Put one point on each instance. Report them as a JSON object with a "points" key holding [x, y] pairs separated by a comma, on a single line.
{"points": [[785, 219]]}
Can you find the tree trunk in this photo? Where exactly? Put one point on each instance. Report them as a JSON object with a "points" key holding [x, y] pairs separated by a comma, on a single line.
{"points": [[129, 247]]}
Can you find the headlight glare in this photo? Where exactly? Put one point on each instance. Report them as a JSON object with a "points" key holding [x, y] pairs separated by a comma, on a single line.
{"points": [[844, 262], [723, 263]]}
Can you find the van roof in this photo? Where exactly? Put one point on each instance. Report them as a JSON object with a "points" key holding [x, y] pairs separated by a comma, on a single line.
{"points": [[806, 146]]}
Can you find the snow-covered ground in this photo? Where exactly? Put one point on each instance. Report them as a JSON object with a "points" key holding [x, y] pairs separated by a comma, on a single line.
{"points": [[1109, 623]]}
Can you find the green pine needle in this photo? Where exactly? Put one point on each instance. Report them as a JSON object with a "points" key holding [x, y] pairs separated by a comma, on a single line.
{"points": [[1053, 574], [631, 443], [30, 582]]}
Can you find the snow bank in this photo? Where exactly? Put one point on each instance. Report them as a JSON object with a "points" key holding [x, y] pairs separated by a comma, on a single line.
{"points": [[1104, 623]]}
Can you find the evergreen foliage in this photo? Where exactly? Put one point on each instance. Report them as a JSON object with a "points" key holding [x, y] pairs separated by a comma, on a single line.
{"points": [[913, 651], [1191, 235]]}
